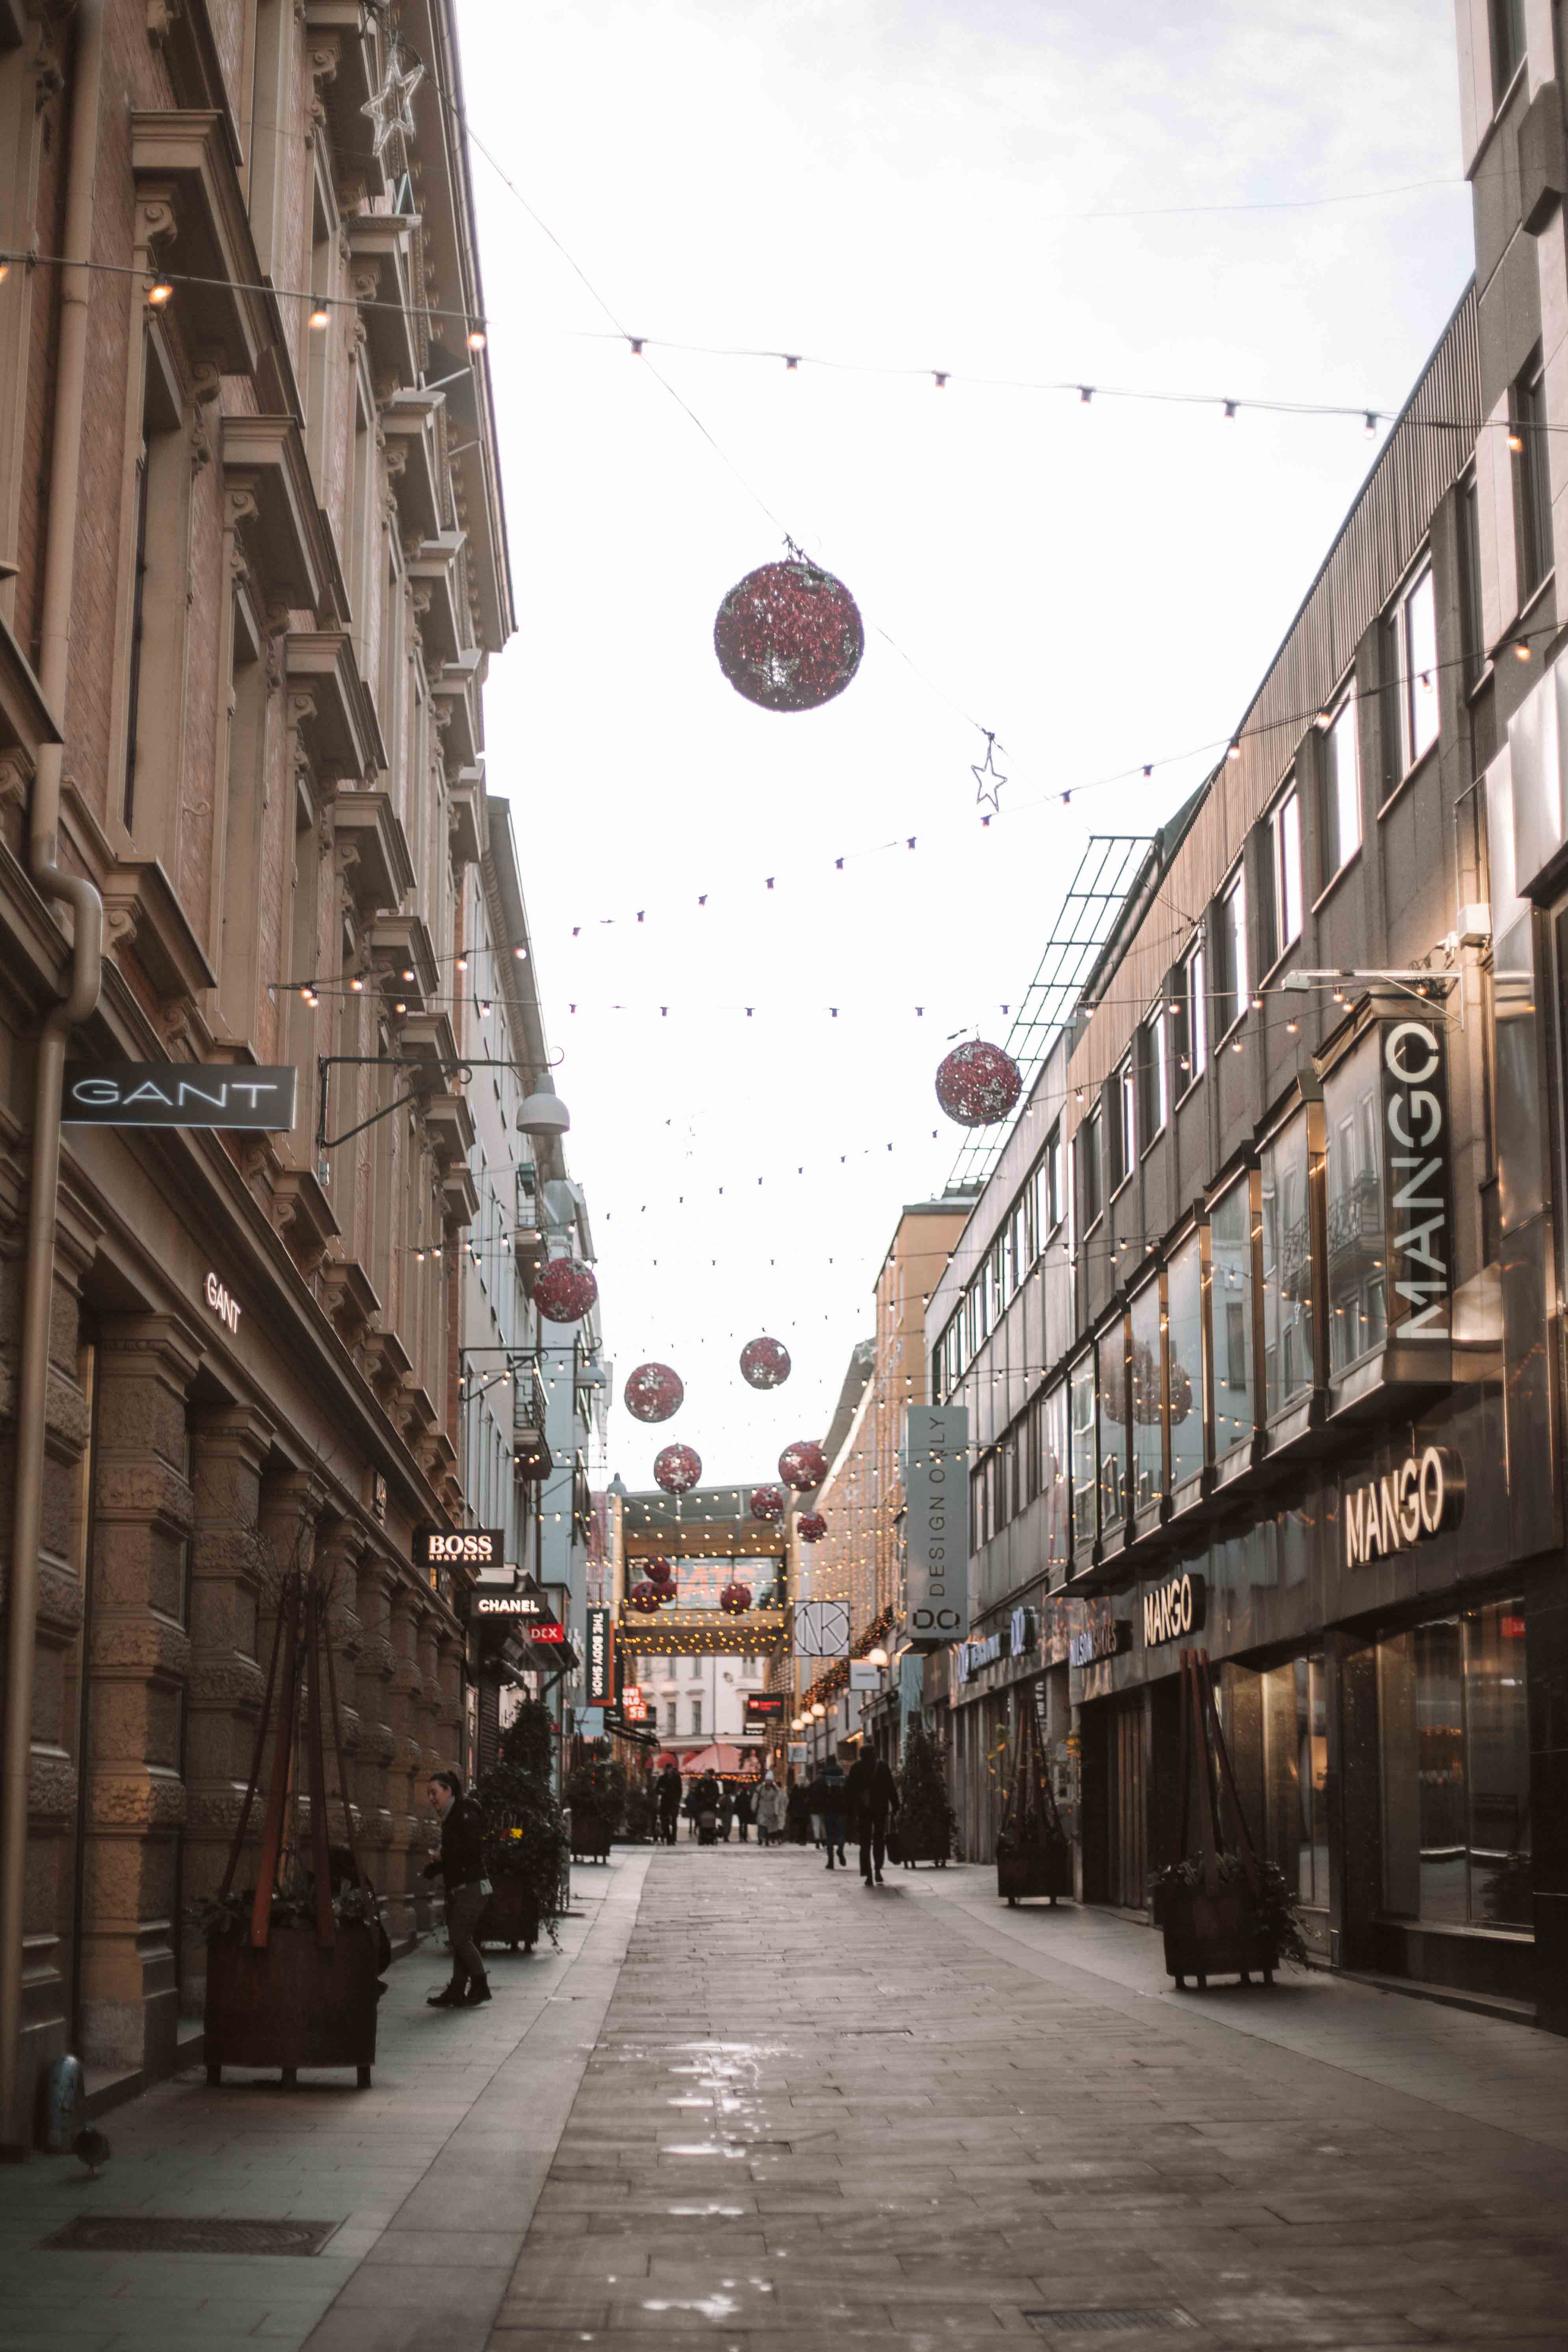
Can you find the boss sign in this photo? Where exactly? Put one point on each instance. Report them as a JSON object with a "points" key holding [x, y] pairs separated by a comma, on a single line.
{"points": [[936, 1522], [1415, 1141]]}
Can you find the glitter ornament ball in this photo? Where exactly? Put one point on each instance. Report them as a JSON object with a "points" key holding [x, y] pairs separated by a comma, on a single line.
{"points": [[735, 1599], [977, 1084], [564, 1290], [764, 1363], [803, 1463], [654, 1392], [659, 1570], [789, 636], [768, 1504], [677, 1469], [645, 1597], [811, 1527]]}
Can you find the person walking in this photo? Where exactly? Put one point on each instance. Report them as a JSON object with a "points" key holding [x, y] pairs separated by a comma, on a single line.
{"points": [[668, 1795], [745, 1802], [827, 1800], [872, 1797], [770, 1812], [459, 1863], [726, 1814], [797, 1811]]}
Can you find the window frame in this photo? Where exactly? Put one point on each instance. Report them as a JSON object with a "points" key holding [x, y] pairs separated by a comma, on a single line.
{"points": [[1402, 674], [1089, 1143], [1154, 1076], [1054, 1164], [1234, 989], [1343, 710], [1288, 805], [1532, 480], [1192, 1014], [1507, 44]]}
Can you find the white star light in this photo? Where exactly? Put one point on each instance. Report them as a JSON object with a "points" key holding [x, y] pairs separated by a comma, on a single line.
{"points": [[988, 778], [392, 107]]}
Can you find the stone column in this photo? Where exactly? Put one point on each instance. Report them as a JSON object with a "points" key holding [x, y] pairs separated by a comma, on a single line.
{"points": [[340, 1544], [440, 1756], [410, 1835], [449, 1677], [229, 1446], [139, 1664], [372, 1701]]}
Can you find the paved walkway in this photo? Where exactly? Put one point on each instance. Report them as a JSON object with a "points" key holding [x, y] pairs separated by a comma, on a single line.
{"points": [[755, 2105]]}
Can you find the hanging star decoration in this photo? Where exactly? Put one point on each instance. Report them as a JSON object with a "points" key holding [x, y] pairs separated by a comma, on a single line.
{"points": [[391, 109], [988, 777]]}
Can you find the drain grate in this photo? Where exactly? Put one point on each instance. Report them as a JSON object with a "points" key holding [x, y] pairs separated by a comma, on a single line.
{"points": [[1110, 2323], [150, 2233]]}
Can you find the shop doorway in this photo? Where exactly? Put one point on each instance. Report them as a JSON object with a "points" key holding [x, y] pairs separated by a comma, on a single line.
{"points": [[1127, 1860]]}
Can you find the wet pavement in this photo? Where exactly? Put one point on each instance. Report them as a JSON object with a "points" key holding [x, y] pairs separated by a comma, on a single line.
{"points": [[752, 2105]]}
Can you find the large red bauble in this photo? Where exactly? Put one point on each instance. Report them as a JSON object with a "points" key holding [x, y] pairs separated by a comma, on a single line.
{"points": [[659, 1570], [802, 1465], [666, 1594], [645, 1597], [677, 1469], [654, 1392], [768, 1504], [764, 1363], [978, 1084], [564, 1290], [789, 636], [811, 1527], [735, 1599]]}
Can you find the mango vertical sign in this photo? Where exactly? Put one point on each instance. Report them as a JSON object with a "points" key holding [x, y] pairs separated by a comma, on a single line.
{"points": [[1416, 1198], [936, 1524]]}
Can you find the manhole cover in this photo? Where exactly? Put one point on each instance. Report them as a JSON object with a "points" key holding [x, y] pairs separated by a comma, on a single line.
{"points": [[1109, 2323], [147, 2233]]}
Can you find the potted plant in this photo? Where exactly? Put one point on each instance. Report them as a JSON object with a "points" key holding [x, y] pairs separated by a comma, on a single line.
{"points": [[926, 1819], [1033, 1855], [596, 1797], [526, 1854]]}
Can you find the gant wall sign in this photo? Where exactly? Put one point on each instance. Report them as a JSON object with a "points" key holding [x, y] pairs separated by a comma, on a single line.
{"points": [[1403, 1508]]}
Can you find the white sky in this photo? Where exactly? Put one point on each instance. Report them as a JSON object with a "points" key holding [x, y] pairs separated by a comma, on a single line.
{"points": [[891, 183]]}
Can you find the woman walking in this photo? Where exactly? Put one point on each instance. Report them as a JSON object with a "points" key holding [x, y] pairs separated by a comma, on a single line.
{"points": [[459, 1863], [770, 1812]]}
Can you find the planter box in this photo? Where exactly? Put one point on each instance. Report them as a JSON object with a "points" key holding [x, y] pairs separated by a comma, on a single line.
{"points": [[291, 2004], [911, 1854], [1038, 1870], [511, 1917], [590, 1838], [1222, 1935]]}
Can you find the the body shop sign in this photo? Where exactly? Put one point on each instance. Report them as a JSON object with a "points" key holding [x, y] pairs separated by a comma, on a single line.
{"points": [[601, 1657], [936, 1523], [1415, 1200]]}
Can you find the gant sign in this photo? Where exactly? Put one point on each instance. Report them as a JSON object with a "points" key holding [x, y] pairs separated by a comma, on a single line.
{"points": [[1425, 1495]]}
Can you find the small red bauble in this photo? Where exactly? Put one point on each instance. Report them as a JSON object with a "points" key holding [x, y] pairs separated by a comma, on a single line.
{"points": [[764, 1363], [677, 1469], [735, 1599], [565, 1290], [802, 1465], [789, 636], [654, 1392], [659, 1570], [978, 1084], [768, 1504], [645, 1597], [811, 1527]]}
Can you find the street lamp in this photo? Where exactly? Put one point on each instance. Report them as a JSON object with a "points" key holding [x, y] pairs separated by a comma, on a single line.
{"points": [[819, 1710], [877, 1658]]}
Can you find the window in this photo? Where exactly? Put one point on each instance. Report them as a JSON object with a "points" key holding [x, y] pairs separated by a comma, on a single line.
{"points": [[1413, 665], [1008, 1253], [1147, 1382], [979, 1516], [1185, 1339], [1229, 976], [158, 590], [1153, 1077], [1532, 480], [1056, 1179], [1472, 620], [669, 1718], [1356, 1300], [697, 1714], [1287, 1269], [696, 1670], [1123, 1125], [1088, 1176], [1295, 1759], [1230, 1298], [1342, 788], [1508, 44], [1112, 1352], [1455, 1771], [1084, 1469], [1285, 872], [1190, 1006], [1052, 1409]]}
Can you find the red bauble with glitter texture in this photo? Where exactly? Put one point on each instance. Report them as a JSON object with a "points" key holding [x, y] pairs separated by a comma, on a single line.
{"points": [[764, 1363], [654, 1392], [735, 1599], [564, 1290], [978, 1085], [811, 1527], [645, 1597], [677, 1469], [789, 636], [666, 1594], [659, 1571], [768, 1504], [802, 1465]]}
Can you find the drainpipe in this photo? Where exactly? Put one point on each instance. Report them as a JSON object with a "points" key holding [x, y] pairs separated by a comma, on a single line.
{"points": [[87, 906]]}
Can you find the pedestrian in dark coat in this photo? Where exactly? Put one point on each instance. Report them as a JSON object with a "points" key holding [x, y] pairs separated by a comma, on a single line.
{"points": [[797, 1813], [668, 1803], [872, 1797], [460, 1863], [745, 1798], [828, 1799]]}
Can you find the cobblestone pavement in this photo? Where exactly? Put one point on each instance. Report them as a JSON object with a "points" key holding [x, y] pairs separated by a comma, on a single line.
{"points": [[750, 2105]]}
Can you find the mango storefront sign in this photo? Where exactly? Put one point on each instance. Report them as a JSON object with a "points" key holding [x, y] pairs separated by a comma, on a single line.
{"points": [[1405, 1506], [1173, 1609]]}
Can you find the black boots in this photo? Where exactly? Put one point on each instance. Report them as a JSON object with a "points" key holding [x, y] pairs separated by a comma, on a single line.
{"points": [[479, 1991], [450, 1997]]}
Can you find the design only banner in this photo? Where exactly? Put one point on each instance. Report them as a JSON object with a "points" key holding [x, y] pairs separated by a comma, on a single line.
{"points": [[936, 1523]]}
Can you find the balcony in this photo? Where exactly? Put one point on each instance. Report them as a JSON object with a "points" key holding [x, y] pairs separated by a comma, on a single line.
{"points": [[402, 955], [374, 848], [264, 457], [184, 160], [342, 731]]}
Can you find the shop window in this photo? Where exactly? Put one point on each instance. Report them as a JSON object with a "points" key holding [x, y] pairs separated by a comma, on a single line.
{"points": [[1342, 788], [1412, 666], [1053, 1441], [1455, 1771], [1356, 1300], [1230, 1296], [1287, 1269], [1296, 1776], [1184, 1317], [1084, 1468], [1147, 1382], [1113, 1426], [1532, 477]]}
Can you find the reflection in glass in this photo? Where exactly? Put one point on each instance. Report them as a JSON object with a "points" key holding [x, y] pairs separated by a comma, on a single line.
{"points": [[1357, 1291], [1455, 1771], [1287, 1269], [1497, 1747], [1296, 1776], [1185, 1339], [1083, 1459], [1230, 1248], [1054, 1478], [1113, 1438], [1148, 1386]]}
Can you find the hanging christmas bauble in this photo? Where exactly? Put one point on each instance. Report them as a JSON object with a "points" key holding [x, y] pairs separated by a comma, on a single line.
{"points": [[564, 1290], [659, 1570], [811, 1527], [735, 1599], [654, 1392], [666, 1594], [768, 1504], [645, 1597], [677, 1469], [802, 1465], [789, 636], [764, 1363], [978, 1084]]}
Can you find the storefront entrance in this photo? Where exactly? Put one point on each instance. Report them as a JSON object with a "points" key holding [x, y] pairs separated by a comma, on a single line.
{"points": [[1128, 1856]]}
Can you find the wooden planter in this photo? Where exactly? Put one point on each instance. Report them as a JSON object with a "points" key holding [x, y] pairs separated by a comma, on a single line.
{"points": [[1220, 1935], [511, 1917], [1044, 1869], [590, 1838], [937, 1856], [291, 2004]]}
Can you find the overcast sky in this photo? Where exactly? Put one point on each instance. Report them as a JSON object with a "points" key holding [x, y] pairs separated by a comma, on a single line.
{"points": [[899, 187]]}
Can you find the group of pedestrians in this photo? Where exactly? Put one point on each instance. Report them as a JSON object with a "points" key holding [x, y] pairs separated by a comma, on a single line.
{"points": [[860, 1802]]}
